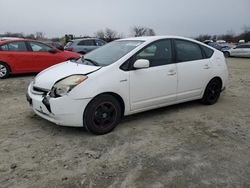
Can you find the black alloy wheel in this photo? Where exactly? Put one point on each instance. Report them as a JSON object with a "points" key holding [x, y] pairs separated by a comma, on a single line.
{"points": [[212, 92], [102, 115]]}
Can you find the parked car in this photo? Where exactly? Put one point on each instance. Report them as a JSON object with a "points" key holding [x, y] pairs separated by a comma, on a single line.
{"points": [[221, 47], [24, 56], [128, 76], [57, 45], [207, 41], [242, 50], [84, 46]]}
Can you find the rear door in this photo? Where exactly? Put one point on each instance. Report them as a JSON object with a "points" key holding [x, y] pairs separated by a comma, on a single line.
{"points": [[17, 56], [192, 68], [86, 45]]}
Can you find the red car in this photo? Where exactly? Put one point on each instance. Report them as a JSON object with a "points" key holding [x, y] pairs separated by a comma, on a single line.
{"points": [[25, 56]]}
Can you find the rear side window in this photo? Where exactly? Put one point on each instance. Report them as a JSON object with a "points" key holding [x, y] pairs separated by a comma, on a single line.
{"points": [[243, 46], [4, 47], [14, 46], [208, 52], [86, 43], [187, 51]]}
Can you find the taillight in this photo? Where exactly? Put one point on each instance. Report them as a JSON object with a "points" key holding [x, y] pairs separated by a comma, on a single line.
{"points": [[69, 49]]}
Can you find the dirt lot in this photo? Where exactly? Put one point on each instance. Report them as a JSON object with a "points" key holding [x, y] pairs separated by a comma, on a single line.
{"points": [[187, 145]]}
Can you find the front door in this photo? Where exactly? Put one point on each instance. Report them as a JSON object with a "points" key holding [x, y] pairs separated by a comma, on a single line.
{"points": [[42, 58], [156, 85]]}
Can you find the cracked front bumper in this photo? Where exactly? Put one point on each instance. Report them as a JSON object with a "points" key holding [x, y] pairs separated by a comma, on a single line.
{"points": [[63, 111]]}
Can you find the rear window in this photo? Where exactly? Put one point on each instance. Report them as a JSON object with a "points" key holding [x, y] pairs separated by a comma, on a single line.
{"points": [[208, 52]]}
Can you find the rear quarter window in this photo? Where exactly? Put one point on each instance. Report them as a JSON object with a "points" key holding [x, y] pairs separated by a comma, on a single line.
{"points": [[208, 51]]}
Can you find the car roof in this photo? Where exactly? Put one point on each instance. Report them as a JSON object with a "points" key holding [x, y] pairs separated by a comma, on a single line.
{"points": [[85, 39], [30, 40], [18, 40], [154, 38]]}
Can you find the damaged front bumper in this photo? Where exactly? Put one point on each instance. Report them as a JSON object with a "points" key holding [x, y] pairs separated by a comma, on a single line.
{"points": [[63, 111]]}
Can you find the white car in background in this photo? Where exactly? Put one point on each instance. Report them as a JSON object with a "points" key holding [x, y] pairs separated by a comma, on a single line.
{"points": [[125, 77], [242, 50]]}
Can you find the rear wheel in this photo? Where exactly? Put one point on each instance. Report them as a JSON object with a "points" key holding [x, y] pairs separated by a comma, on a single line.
{"points": [[4, 70], [102, 115], [212, 92]]}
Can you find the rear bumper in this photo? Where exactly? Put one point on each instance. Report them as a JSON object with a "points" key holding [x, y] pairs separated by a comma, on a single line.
{"points": [[61, 111]]}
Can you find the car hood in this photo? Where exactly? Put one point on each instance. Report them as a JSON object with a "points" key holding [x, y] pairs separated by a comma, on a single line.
{"points": [[47, 78]]}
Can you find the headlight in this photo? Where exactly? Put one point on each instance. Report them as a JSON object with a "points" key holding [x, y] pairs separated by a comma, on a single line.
{"points": [[65, 85]]}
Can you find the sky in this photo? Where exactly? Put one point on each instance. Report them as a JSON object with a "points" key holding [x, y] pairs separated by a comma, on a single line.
{"points": [[84, 17]]}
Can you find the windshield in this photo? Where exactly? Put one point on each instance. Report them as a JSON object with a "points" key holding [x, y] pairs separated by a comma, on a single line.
{"points": [[110, 53]]}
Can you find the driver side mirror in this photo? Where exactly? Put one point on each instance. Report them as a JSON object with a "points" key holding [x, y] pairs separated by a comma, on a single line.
{"points": [[141, 64]]}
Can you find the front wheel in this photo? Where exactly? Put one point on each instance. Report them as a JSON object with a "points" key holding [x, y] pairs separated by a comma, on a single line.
{"points": [[4, 70], [226, 54], [102, 115], [212, 92]]}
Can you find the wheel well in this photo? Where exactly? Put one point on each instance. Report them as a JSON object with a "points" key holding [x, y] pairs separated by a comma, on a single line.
{"points": [[118, 97], [6, 64], [217, 78]]}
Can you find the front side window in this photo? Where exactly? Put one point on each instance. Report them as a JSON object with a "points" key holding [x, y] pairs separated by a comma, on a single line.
{"points": [[187, 51], [86, 43], [14, 46], [159, 53], [39, 47]]}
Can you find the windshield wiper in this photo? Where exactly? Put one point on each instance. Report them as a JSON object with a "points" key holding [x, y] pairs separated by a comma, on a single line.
{"points": [[90, 60]]}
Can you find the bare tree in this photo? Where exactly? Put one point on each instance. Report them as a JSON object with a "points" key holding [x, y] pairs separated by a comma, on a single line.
{"points": [[150, 32], [100, 34], [110, 35], [138, 31], [40, 35], [204, 37]]}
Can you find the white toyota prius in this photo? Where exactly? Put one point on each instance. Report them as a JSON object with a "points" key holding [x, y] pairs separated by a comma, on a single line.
{"points": [[128, 76]]}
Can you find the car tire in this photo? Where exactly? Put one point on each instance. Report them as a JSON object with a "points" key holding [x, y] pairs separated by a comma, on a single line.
{"points": [[4, 70], [102, 114], [212, 92], [226, 54], [82, 53]]}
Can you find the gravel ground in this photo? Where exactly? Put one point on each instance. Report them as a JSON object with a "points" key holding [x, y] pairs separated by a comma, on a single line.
{"points": [[186, 145]]}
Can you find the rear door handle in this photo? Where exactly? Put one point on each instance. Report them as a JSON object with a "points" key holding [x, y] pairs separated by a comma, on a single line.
{"points": [[206, 66], [171, 72]]}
